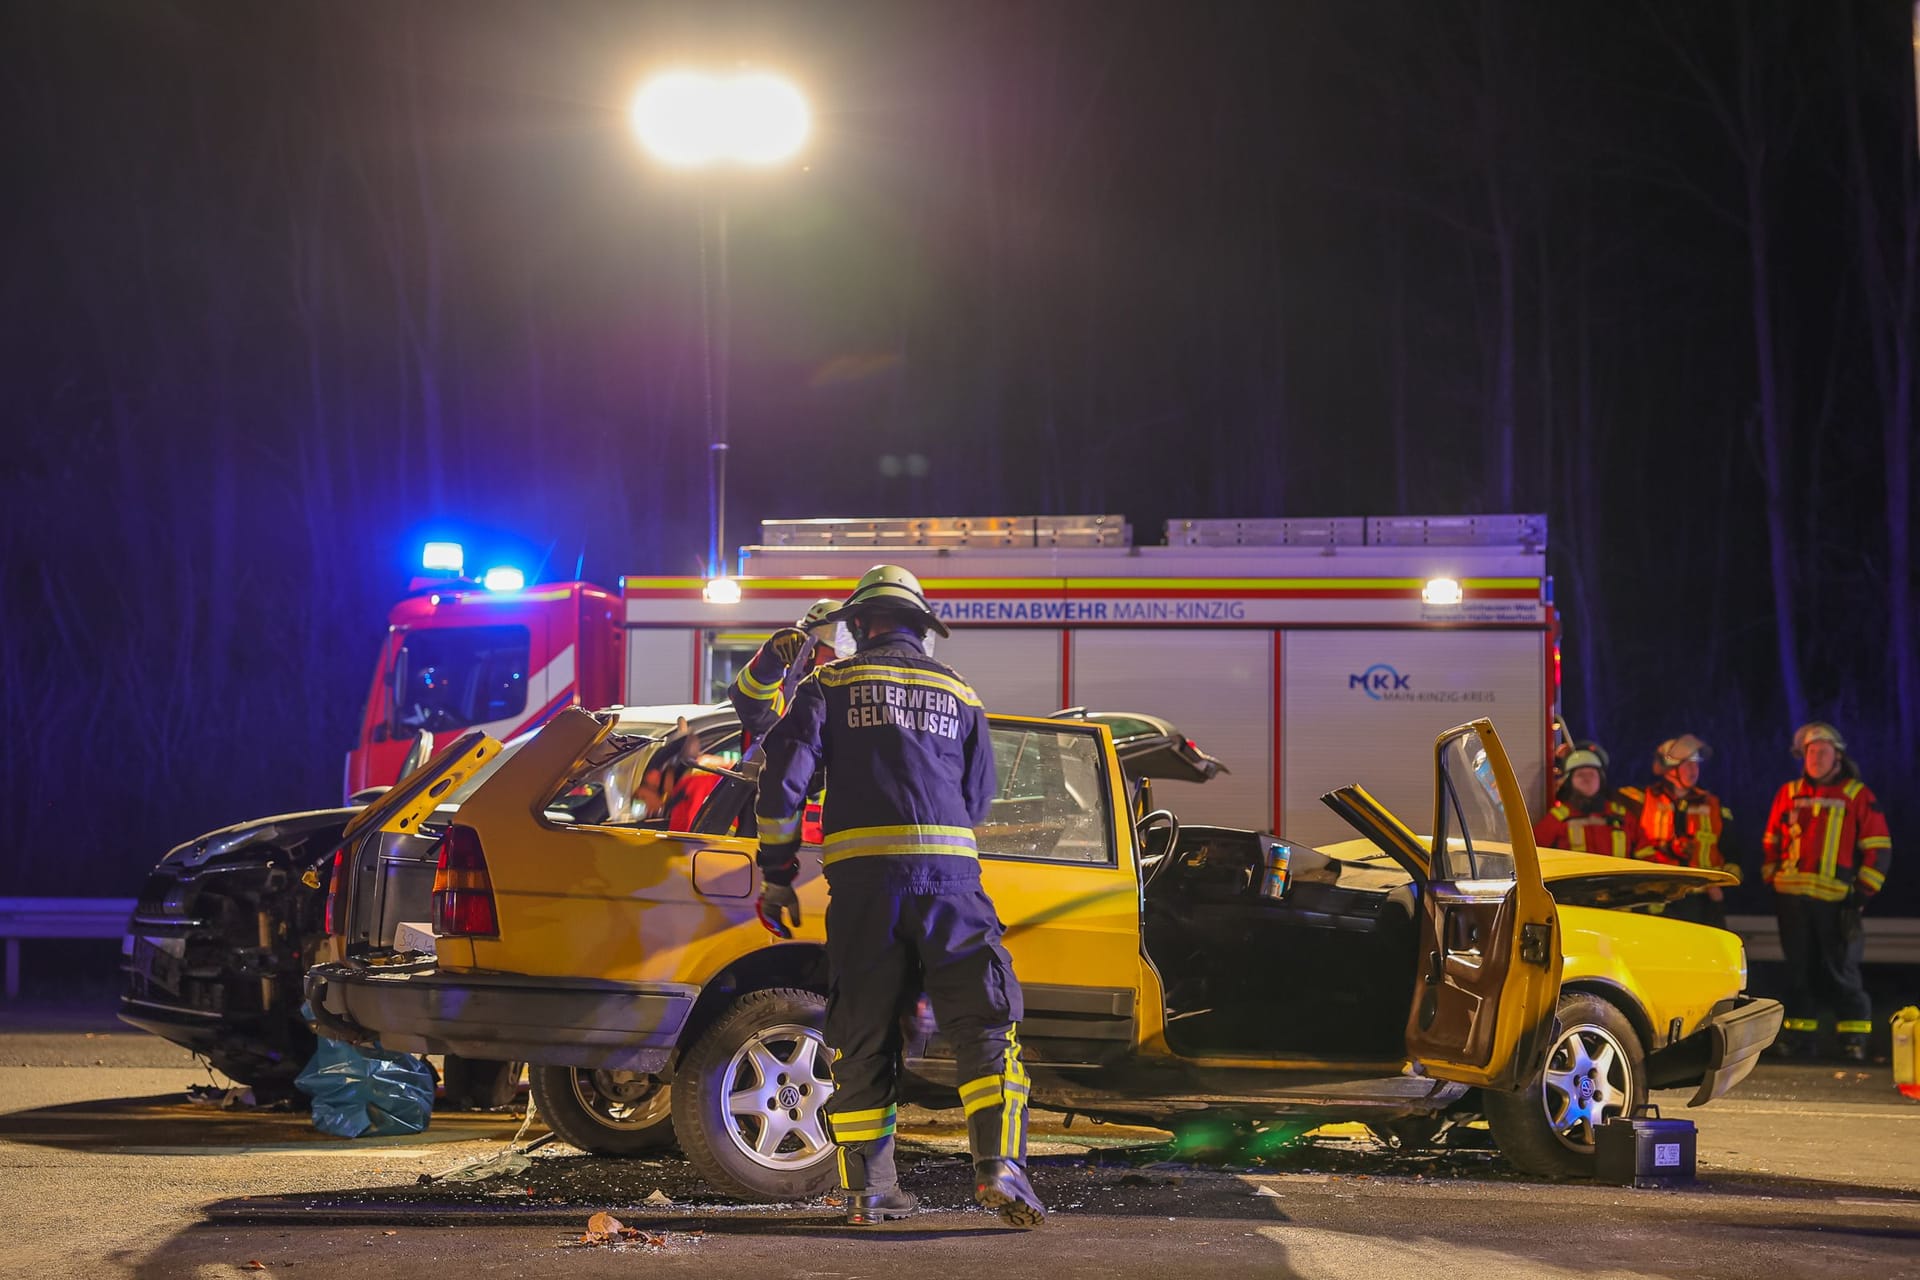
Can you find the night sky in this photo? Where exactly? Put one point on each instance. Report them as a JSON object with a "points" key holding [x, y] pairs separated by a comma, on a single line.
{"points": [[287, 287]]}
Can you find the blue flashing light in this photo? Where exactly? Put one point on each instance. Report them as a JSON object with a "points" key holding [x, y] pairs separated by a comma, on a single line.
{"points": [[443, 557], [504, 578]]}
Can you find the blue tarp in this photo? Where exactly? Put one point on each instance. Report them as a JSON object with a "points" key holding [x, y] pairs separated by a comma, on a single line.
{"points": [[357, 1092]]}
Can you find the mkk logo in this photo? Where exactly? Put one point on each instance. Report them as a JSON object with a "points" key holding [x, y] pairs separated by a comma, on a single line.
{"points": [[1380, 679]]}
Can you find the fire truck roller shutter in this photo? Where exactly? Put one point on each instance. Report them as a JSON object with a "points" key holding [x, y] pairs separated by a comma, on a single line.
{"points": [[1365, 706], [1015, 671], [1215, 686], [660, 666]]}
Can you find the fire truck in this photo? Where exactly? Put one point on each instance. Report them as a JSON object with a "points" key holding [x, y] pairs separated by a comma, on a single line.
{"points": [[1303, 653]]}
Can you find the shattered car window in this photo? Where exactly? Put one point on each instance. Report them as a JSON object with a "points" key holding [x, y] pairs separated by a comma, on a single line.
{"points": [[1049, 802]]}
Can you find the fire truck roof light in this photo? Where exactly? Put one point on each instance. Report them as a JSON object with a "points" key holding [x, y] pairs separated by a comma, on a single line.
{"points": [[443, 557], [721, 590], [504, 578], [1441, 591]]}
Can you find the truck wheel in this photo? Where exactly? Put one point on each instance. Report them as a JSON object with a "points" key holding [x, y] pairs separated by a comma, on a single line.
{"points": [[476, 1084], [610, 1113], [747, 1099], [1595, 1070]]}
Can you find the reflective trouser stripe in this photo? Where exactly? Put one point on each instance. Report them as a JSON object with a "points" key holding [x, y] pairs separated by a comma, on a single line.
{"points": [[978, 1095], [1853, 1027], [862, 1126], [1800, 1024], [1013, 1124]]}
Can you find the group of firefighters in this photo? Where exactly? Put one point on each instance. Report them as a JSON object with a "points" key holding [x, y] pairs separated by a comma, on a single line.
{"points": [[1825, 853], [882, 753]]}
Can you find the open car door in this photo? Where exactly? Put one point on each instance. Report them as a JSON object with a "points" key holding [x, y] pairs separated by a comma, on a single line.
{"points": [[1489, 956]]}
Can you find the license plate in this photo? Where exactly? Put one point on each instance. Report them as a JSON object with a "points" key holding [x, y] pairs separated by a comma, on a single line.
{"points": [[158, 962]]}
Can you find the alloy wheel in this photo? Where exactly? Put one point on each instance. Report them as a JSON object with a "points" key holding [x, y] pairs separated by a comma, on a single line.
{"points": [[1588, 1080], [775, 1085]]}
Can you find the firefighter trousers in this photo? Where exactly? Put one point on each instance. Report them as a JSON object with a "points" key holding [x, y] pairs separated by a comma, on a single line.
{"points": [[1822, 944], [885, 945]]}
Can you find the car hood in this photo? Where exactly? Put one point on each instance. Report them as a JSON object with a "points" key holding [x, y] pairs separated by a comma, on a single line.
{"points": [[271, 830], [1581, 879]]}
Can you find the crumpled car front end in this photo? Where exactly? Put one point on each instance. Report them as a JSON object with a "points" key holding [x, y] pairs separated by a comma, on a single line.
{"points": [[221, 933]]}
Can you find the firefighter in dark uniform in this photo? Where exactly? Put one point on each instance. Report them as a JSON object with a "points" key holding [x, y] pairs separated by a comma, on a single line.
{"points": [[1826, 854], [764, 687], [909, 772], [1684, 824]]}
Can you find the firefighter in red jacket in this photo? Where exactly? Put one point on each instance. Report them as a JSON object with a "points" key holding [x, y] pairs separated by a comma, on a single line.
{"points": [[1585, 815], [1827, 853], [1683, 824]]}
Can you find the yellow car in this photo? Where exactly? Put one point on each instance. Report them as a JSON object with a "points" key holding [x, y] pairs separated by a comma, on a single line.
{"points": [[1170, 973]]}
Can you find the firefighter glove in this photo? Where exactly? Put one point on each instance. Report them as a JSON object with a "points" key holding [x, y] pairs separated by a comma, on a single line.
{"points": [[779, 909], [786, 644]]}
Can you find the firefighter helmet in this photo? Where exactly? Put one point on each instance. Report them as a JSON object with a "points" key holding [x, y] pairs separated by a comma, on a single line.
{"points": [[1582, 758], [1816, 731], [888, 586], [1675, 752], [818, 614]]}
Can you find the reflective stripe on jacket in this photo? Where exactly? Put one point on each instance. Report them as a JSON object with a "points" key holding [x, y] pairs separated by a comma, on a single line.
{"points": [[1824, 838], [908, 760], [1686, 830], [1607, 829], [764, 687]]}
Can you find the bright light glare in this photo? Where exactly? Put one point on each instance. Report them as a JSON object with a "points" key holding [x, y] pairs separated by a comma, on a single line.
{"points": [[504, 578], [1441, 591], [445, 557], [721, 590], [692, 119]]}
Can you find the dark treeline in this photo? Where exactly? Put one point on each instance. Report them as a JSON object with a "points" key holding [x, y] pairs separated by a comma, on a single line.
{"points": [[286, 285]]}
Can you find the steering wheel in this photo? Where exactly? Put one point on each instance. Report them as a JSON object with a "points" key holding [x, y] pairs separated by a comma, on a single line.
{"points": [[1154, 860]]}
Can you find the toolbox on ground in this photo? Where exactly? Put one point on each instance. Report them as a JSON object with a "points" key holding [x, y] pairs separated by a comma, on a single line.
{"points": [[1644, 1151]]}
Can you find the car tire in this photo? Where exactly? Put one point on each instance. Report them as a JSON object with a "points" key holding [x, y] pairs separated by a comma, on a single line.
{"points": [[747, 1099], [608, 1113], [477, 1084], [1595, 1070]]}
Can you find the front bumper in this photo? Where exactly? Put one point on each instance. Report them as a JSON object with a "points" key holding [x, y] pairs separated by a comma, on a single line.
{"points": [[1720, 1053], [564, 1022]]}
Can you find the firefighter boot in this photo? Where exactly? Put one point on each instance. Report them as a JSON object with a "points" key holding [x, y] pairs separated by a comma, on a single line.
{"points": [[1853, 1047], [1002, 1185], [871, 1185]]}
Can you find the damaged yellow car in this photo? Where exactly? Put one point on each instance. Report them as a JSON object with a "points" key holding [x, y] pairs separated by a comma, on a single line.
{"points": [[1171, 972]]}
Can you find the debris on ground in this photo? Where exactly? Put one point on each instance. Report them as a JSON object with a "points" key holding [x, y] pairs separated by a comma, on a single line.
{"points": [[234, 1097], [512, 1160], [603, 1229], [658, 1198]]}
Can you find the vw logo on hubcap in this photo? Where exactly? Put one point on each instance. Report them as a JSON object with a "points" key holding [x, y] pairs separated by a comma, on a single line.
{"points": [[789, 1097]]}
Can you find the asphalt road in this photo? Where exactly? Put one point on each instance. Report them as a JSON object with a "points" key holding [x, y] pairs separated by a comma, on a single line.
{"points": [[1806, 1171]]}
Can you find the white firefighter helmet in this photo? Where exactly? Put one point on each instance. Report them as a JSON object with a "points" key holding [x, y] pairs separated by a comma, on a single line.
{"points": [[816, 616], [1675, 752], [888, 586], [1816, 731]]}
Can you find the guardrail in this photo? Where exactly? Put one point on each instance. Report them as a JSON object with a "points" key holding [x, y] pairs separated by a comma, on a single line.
{"points": [[57, 918], [1890, 939]]}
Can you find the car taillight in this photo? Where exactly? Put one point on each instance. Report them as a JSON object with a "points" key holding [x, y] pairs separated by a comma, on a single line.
{"points": [[462, 893], [335, 923]]}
